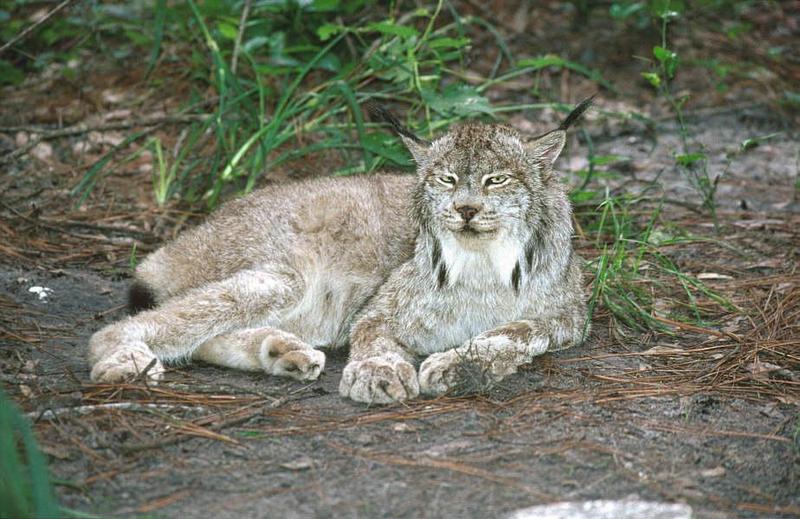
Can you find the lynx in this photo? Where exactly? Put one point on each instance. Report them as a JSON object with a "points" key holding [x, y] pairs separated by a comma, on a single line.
{"points": [[468, 259]]}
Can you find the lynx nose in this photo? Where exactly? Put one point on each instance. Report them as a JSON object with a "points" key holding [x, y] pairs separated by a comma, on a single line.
{"points": [[467, 212]]}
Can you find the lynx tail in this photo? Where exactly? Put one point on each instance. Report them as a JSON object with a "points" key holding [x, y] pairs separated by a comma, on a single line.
{"points": [[140, 298]]}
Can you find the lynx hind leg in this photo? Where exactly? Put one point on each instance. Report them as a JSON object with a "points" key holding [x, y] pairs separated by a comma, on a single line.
{"points": [[174, 329], [274, 351]]}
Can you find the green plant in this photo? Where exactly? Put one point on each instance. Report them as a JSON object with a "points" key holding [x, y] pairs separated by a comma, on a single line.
{"points": [[691, 161], [25, 489], [283, 82], [633, 277], [284, 69], [163, 174], [132, 259]]}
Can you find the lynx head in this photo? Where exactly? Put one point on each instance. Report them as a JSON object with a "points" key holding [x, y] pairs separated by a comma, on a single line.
{"points": [[485, 187], [479, 182]]}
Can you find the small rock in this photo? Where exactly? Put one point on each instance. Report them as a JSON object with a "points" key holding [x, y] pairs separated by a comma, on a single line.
{"points": [[713, 473], [403, 427], [42, 292], [605, 509], [364, 439], [301, 463], [42, 151], [436, 451], [112, 97]]}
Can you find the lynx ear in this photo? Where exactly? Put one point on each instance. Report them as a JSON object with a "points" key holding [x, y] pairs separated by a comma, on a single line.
{"points": [[546, 149], [418, 147]]}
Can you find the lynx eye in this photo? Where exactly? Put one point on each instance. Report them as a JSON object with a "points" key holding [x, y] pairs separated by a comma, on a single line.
{"points": [[447, 180], [495, 180]]}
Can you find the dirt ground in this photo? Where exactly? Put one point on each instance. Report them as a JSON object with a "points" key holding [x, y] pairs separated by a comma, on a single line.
{"points": [[707, 415]]}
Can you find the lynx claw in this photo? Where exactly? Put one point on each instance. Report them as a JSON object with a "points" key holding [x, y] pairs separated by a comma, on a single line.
{"points": [[300, 365], [126, 365], [379, 380], [287, 356], [437, 373]]}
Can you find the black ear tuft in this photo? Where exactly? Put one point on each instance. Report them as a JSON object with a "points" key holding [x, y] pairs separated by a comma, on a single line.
{"points": [[378, 112], [140, 298], [577, 112]]}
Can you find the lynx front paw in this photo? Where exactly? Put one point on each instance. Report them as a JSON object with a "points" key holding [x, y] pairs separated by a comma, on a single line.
{"points": [[127, 364], [437, 373], [379, 380], [283, 354]]}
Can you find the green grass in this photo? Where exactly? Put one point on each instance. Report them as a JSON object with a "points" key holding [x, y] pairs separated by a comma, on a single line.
{"points": [[285, 84], [635, 279], [300, 74], [25, 488]]}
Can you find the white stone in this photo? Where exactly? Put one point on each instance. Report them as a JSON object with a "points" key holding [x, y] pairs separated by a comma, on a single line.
{"points": [[42, 292], [605, 509]]}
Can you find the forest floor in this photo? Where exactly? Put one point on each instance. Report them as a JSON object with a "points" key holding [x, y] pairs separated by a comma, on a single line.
{"points": [[706, 415]]}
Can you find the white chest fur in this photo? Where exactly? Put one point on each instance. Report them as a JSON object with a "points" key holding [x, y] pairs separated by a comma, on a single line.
{"points": [[485, 266], [458, 314], [477, 295]]}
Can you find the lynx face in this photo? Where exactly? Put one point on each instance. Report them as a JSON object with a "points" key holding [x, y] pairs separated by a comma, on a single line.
{"points": [[482, 183]]}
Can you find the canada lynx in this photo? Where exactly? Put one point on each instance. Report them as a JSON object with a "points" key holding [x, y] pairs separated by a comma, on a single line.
{"points": [[468, 259]]}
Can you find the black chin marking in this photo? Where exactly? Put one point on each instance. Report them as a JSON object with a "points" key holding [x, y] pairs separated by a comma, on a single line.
{"points": [[436, 254], [568, 265], [441, 277], [529, 254], [515, 277]]}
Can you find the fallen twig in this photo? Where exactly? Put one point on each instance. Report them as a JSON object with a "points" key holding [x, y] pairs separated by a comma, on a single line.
{"points": [[118, 406], [25, 32], [80, 129]]}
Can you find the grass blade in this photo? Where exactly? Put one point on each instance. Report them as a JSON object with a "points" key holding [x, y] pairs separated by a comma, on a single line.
{"points": [[158, 34], [25, 489]]}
